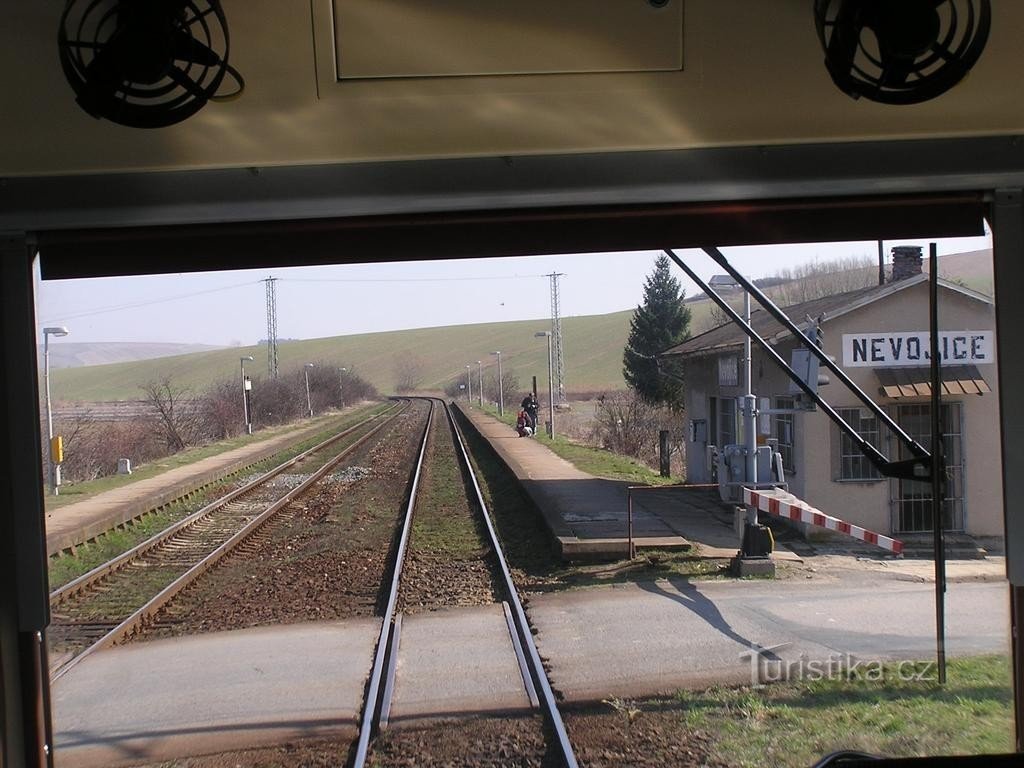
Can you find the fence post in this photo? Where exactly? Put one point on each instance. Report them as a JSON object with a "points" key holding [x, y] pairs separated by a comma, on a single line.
{"points": [[666, 455]]}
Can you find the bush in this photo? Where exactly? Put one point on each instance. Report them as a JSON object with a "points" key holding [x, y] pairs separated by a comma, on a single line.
{"points": [[179, 418], [627, 425]]}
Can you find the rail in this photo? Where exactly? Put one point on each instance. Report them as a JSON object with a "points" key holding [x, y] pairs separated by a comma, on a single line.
{"points": [[136, 620], [376, 704]]}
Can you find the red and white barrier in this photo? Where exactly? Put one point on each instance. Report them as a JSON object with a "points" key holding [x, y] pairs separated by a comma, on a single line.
{"points": [[782, 504]]}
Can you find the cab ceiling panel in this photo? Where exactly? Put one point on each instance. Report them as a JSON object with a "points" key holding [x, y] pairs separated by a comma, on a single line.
{"points": [[445, 38], [353, 81]]}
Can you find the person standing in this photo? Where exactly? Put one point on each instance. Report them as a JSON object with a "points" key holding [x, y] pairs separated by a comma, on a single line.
{"points": [[531, 407]]}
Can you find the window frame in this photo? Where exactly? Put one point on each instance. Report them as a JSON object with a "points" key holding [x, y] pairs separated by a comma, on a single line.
{"points": [[786, 450], [846, 450]]}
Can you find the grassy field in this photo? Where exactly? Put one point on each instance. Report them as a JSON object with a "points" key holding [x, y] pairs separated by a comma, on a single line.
{"points": [[593, 352]]}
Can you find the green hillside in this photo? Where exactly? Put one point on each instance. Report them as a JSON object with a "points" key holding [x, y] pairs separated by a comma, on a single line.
{"points": [[593, 358]]}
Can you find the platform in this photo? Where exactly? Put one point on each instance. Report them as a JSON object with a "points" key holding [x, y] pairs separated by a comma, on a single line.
{"points": [[587, 515]]}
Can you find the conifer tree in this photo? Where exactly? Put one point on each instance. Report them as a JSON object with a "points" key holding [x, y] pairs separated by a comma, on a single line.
{"points": [[662, 321]]}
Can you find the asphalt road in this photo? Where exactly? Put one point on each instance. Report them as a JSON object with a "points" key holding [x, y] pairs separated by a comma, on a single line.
{"points": [[638, 639]]}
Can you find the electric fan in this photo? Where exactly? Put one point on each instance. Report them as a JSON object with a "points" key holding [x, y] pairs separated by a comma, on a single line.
{"points": [[901, 51], [145, 63]]}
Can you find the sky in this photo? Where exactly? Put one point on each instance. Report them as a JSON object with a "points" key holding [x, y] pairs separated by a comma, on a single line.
{"points": [[229, 308]]}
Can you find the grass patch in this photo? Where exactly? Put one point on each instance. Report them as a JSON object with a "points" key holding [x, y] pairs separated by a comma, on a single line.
{"points": [[444, 523], [881, 712], [65, 568], [593, 461]]}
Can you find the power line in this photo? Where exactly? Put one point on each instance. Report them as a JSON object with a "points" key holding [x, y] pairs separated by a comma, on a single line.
{"points": [[406, 279], [147, 303]]}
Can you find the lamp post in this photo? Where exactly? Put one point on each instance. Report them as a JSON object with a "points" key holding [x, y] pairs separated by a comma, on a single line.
{"points": [[341, 385], [58, 330], [469, 384], [246, 387], [501, 386], [309, 401], [480, 381], [551, 391]]}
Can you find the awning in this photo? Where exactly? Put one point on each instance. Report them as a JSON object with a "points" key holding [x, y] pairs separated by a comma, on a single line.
{"points": [[915, 382]]}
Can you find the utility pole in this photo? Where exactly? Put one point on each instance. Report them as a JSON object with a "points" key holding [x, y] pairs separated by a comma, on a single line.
{"points": [[271, 326], [551, 383], [480, 381], [246, 387], [54, 450], [558, 355], [309, 401], [469, 384], [501, 386]]}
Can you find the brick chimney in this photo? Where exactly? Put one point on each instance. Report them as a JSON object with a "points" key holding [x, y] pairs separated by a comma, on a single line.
{"points": [[907, 261]]}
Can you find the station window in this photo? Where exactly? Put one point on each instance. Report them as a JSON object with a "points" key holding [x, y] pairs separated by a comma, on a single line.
{"points": [[723, 420], [784, 433], [854, 465]]}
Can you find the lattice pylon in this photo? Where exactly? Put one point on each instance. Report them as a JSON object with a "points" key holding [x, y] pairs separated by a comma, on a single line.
{"points": [[557, 345], [271, 326]]}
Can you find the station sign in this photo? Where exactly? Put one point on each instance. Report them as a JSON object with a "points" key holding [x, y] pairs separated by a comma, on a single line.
{"points": [[913, 348]]}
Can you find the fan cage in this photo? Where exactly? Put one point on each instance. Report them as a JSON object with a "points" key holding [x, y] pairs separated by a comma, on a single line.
{"points": [[88, 28], [963, 31]]}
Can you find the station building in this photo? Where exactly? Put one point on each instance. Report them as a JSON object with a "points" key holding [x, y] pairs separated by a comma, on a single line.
{"points": [[880, 339]]}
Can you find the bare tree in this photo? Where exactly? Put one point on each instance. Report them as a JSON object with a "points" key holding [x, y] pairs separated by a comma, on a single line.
{"points": [[223, 414], [177, 414], [807, 282], [509, 387], [408, 373]]}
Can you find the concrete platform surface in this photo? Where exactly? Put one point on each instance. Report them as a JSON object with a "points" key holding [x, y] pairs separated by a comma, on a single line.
{"points": [[589, 515], [71, 525], [227, 690], [635, 640], [586, 514], [455, 662]]}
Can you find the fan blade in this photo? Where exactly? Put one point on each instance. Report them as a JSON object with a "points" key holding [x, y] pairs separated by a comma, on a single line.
{"points": [[106, 68], [188, 49], [895, 74]]}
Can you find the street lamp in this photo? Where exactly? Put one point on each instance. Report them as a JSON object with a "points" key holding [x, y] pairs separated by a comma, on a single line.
{"points": [[309, 402], [341, 385], [501, 386], [469, 384], [55, 457], [246, 387], [480, 382], [551, 389]]}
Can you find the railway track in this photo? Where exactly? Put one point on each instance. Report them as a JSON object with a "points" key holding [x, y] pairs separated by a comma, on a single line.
{"points": [[113, 601], [382, 682]]}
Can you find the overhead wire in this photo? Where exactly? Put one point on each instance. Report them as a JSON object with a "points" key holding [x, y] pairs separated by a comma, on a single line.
{"points": [[405, 279], [148, 302]]}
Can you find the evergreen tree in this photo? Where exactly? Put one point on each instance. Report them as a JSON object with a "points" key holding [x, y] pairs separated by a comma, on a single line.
{"points": [[661, 322]]}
